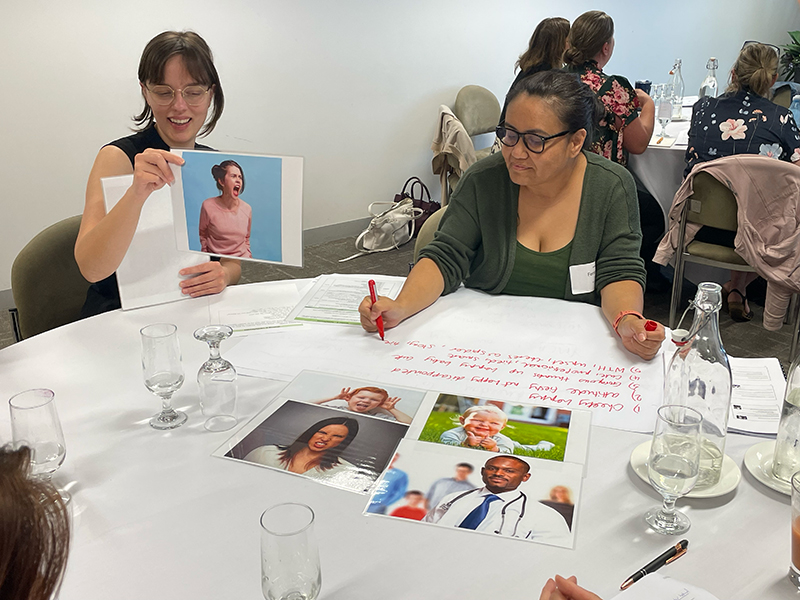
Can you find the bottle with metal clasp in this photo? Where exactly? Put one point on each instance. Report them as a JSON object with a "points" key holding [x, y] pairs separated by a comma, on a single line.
{"points": [[699, 376]]}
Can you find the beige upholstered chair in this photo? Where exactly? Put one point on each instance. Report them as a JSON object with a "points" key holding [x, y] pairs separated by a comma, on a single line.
{"points": [[425, 235], [48, 287], [479, 111]]}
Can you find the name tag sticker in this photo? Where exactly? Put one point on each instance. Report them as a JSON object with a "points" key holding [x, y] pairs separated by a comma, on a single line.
{"points": [[582, 278]]}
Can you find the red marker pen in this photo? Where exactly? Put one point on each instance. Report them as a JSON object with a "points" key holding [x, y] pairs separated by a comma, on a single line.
{"points": [[648, 326], [374, 297]]}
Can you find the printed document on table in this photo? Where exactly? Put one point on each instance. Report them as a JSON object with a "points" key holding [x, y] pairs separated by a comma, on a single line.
{"points": [[335, 298], [658, 587], [264, 309], [757, 396]]}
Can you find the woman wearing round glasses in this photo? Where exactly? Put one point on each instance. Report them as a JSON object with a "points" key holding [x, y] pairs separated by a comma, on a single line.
{"points": [[544, 218], [179, 85]]}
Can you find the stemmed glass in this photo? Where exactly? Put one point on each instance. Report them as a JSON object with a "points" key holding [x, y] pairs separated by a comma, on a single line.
{"points": [[35, 423], [663, 100], [163, 372], [673, 465], [216, 380]]}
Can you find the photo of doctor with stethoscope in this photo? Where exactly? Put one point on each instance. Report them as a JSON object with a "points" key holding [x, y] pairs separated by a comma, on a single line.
{"points": [[499, 507]]}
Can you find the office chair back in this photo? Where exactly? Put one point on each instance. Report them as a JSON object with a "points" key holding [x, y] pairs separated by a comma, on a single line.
{"points": [[47, 285], [426, 232], [478, 109]]}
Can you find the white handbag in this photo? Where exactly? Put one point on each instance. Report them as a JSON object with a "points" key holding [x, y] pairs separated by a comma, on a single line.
{"points": [[387, 230]]}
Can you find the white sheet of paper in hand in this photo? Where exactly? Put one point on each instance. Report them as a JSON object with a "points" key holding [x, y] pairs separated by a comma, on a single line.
{"points": [[149, 272], [658, 587]]}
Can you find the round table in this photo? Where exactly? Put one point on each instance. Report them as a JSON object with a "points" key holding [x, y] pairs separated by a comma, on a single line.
{"points": [[156, 516]]}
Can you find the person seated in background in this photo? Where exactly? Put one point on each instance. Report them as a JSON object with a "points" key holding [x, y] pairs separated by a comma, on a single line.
{"points": [[545, 51], [622, 129], [179, 84], [373, 401], [543, 218], [480, 428], [742, 121], [35, 527], [414, 508]]}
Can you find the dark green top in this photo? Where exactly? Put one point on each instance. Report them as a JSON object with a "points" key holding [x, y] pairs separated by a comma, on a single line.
{"points": [[477, 238], [542, 274]]}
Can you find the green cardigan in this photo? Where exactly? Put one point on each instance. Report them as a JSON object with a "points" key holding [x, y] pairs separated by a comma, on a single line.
{"points": [[476, 240]]}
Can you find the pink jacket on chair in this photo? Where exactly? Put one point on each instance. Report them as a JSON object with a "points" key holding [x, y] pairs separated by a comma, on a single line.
{"points": [[767, 195]]}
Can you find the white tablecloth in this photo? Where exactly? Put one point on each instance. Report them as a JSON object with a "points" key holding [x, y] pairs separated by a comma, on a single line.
{"points": [[157, 517]]}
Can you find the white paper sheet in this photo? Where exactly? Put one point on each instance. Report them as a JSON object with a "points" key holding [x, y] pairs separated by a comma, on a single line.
{"points": [[757, 396], [658, 587], [149, 272], [268, 312], [335, 298], [528, 350]]}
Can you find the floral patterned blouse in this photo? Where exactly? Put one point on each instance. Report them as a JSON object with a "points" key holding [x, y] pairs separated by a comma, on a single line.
{"points": [[617, 95], [741, 123]]}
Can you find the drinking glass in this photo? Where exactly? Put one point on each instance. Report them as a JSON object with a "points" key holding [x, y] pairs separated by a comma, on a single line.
{"points": [[163, 372], [216, 380], [289, 557], [663, 100], [794, 569], [35, 423], [673, 465]]}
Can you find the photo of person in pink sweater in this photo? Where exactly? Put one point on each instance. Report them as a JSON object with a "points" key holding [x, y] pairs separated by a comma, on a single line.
{"points": [[225, 220]]}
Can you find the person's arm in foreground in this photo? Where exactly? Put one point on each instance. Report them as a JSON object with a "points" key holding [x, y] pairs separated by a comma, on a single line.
{"points": [[639, 131], [621, 296], [566, 589], [422, 288]]}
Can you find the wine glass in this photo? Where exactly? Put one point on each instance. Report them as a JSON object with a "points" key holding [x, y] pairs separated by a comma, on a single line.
{"points": [[216, 380], [663, 101], [674, 465], [35, 423], [163, 372]]}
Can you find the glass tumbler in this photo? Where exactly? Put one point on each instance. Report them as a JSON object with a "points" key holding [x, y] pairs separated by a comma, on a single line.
{"points": [[290, 567], [794, 569]]}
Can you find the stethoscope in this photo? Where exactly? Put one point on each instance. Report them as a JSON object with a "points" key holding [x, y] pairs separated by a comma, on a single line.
{"points": [[521, 498]]}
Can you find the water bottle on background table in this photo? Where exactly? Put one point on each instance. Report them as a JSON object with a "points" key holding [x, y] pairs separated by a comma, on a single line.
{"points": [[678, 87], [709, 85], [699, 376]]}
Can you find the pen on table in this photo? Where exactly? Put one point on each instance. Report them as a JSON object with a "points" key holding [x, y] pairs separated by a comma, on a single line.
{"points": [[661, 139], [673, 553], [650, 325], [374, 297]]}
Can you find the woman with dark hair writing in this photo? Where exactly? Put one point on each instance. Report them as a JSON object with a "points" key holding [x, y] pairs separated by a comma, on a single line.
{"points": [[225, 220], [316, 453]]}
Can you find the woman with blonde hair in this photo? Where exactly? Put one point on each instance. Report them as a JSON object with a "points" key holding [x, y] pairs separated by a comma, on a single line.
{"points": [[545, 51], [742, 121]]}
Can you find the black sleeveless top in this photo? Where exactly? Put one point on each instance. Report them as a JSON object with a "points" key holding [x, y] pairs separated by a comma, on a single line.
{"points": [[103, 296]]}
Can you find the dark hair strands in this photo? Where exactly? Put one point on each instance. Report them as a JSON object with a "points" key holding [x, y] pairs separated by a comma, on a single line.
{"points": [[34, 529], [573, 102], [546, 45]]}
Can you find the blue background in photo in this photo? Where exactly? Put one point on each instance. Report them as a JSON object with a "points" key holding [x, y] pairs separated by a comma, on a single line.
{"points": [[262, 191]]}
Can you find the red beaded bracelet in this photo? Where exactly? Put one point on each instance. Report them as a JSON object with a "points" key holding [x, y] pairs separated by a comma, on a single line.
{"points": [[625, 313]]}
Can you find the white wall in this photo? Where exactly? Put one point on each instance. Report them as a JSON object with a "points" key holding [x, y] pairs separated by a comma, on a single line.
{"points": [[351, 85]]}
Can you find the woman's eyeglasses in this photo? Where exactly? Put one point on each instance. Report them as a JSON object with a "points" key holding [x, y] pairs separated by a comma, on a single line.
{"points": [[163, 95], [533, 141]]}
